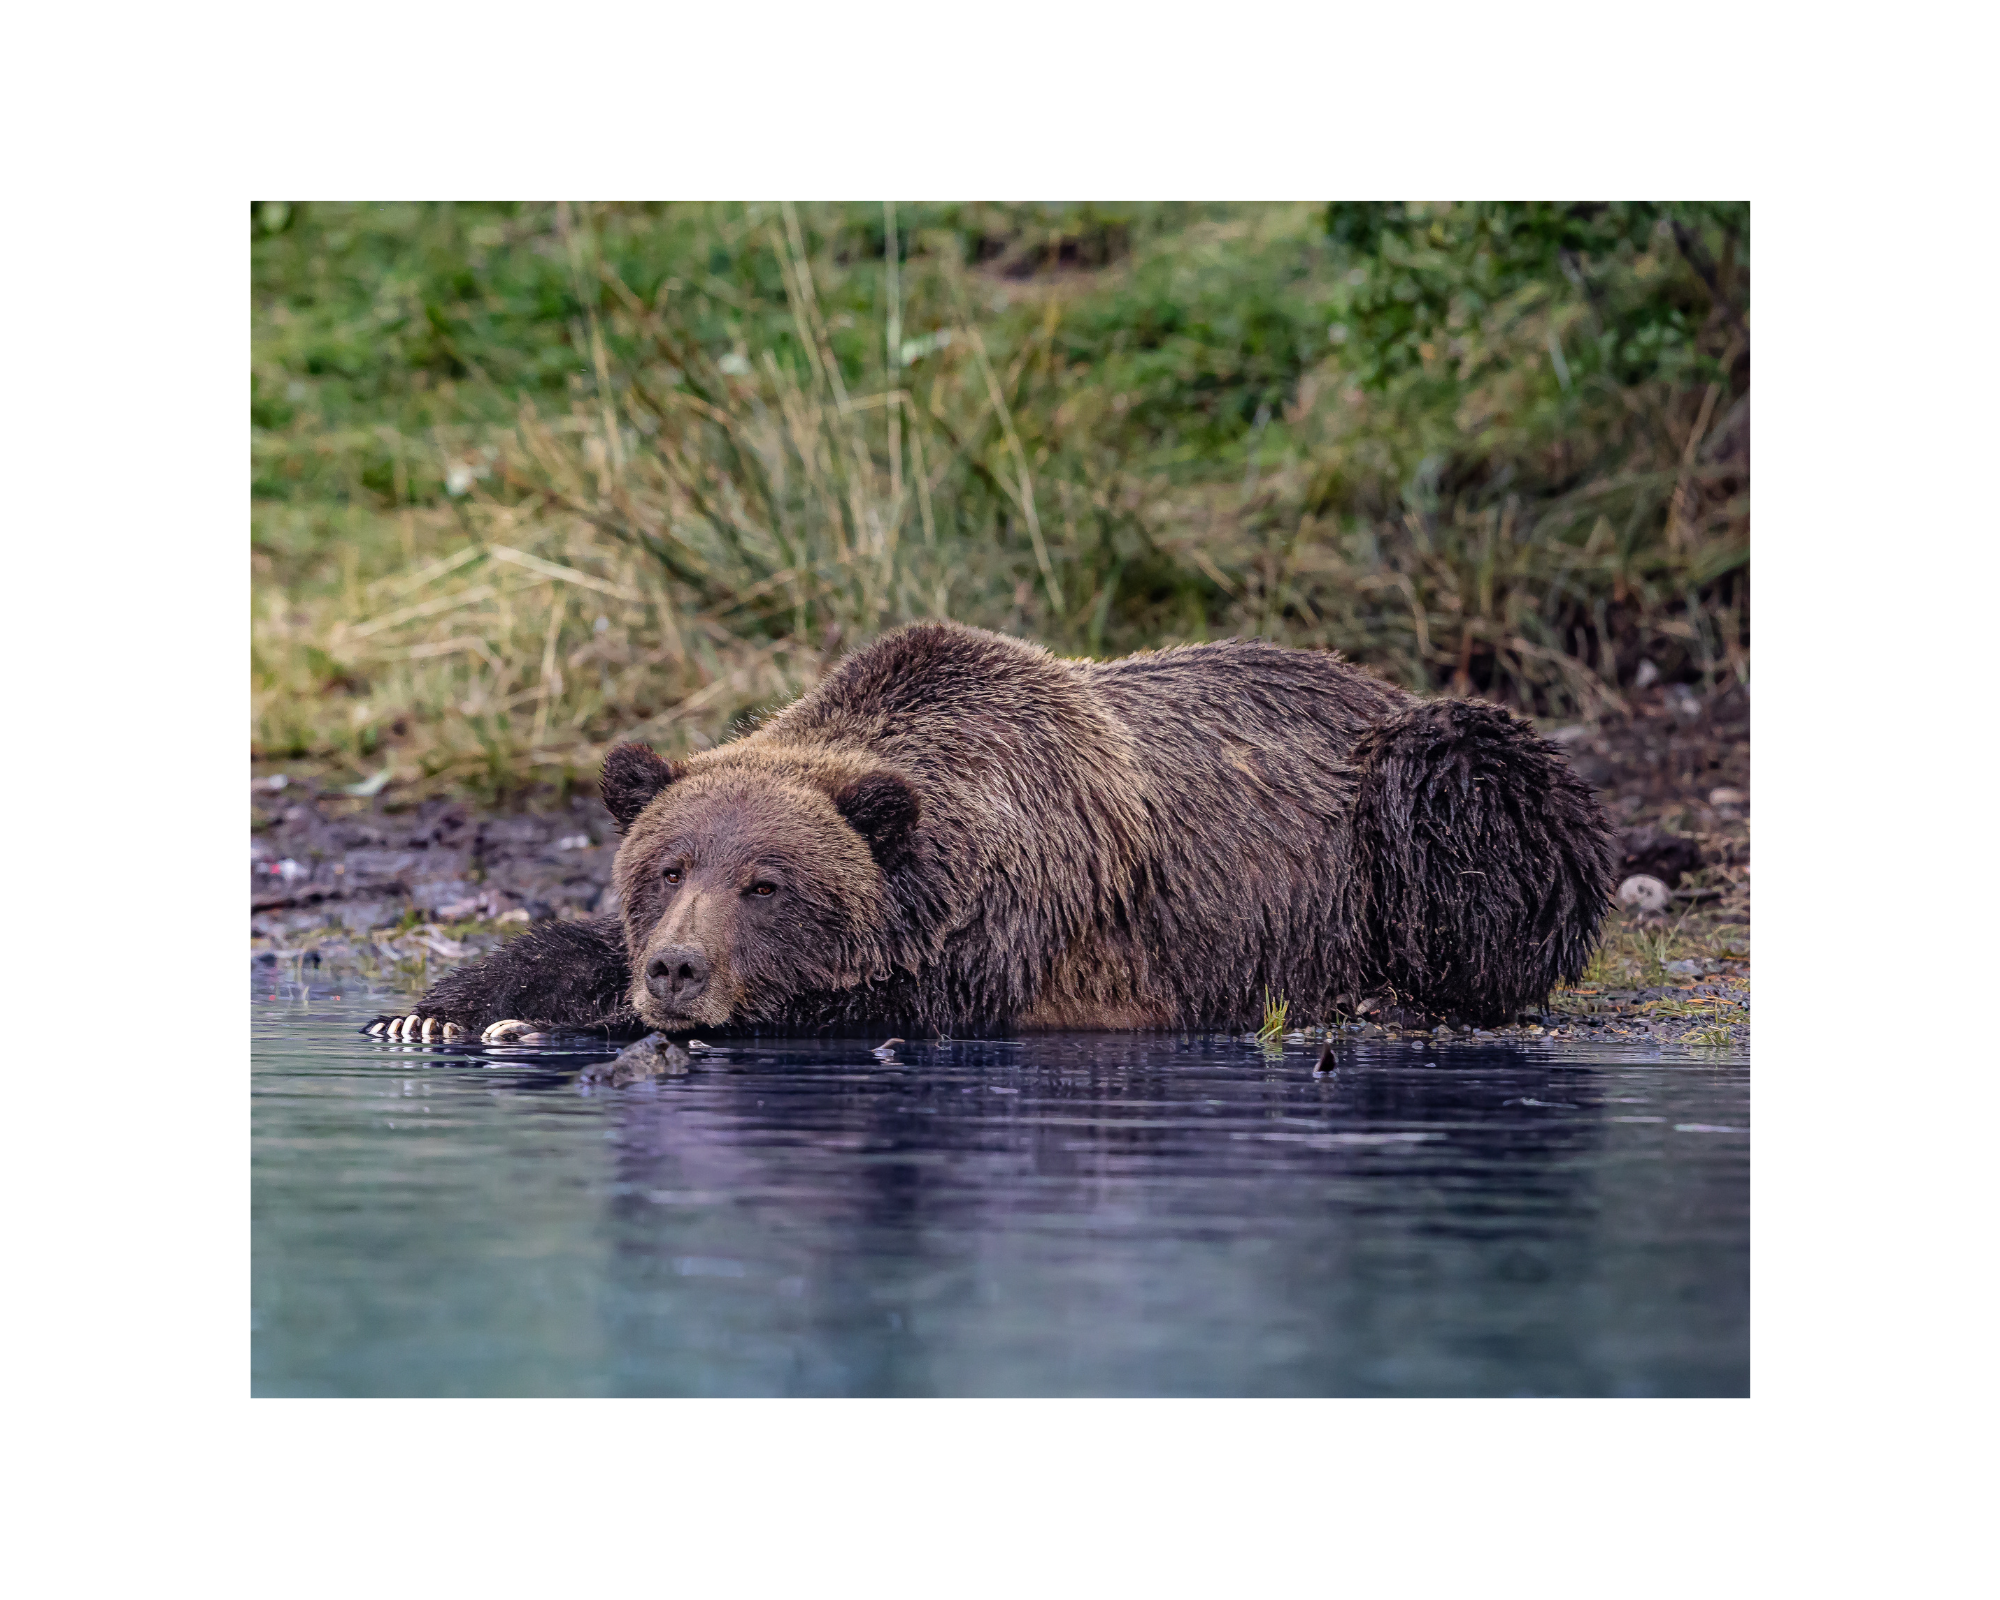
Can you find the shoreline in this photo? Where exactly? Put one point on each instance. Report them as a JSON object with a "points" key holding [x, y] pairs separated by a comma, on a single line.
{"points": [[398, 892]]}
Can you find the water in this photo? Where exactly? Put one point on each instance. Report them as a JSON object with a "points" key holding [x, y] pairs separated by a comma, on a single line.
{"points": [[1081, 1214]]}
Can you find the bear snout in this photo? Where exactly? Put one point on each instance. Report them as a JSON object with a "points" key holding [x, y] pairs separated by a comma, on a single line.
{"points": [[678, 976]]}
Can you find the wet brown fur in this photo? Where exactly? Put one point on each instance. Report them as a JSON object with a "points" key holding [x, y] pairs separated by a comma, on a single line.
{"points": [[966, 833]]}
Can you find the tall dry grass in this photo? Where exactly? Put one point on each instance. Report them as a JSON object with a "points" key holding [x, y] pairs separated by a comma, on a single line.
{"points": [[700, 530]]}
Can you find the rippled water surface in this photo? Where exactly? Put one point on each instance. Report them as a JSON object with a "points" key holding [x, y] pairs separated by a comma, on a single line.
{"points": [[1070, 1215]]}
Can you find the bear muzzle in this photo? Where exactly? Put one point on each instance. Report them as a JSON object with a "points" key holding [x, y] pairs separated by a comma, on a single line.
{"points": [[678, 977]]}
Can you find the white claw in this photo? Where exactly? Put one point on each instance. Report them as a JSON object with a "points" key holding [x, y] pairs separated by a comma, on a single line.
{"points": [[501, 1032], [394, 1030], [378, 1028], [410, 1025], [430, 1027], [452, 1030]]}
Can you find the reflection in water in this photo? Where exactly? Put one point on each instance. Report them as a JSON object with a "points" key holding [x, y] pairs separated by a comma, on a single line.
{"points": [[1084, 1214]]}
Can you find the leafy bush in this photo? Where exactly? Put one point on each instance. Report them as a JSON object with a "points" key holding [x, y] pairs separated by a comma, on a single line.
{"points": [[531, 478]]}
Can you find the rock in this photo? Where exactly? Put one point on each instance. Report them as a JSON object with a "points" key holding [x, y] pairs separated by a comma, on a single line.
{"points": [[1652, 852], [1644, 893], [1684, 967], [655, 1056], [1646, 676], [1325, 1066], [1719, 798]]}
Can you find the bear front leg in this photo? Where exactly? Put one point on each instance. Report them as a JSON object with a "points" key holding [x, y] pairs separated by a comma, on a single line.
{"points": [[556, 975]]}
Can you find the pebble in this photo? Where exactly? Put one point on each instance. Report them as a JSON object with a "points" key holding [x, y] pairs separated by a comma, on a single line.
{"points": [[1648, 894], [654, 1056], [1727, 797]]}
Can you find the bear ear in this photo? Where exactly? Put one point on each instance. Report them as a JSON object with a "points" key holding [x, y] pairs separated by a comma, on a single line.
{"points": [[632, 776], [883, 809]]}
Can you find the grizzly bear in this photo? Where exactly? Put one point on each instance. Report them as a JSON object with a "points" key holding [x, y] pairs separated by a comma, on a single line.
{"points": [[958, 832]]}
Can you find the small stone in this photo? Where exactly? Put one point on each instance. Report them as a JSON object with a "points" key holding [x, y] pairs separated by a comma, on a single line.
{"points": [[1441, 1031], [1727, 797], [655, 1056], [1647, 894]]}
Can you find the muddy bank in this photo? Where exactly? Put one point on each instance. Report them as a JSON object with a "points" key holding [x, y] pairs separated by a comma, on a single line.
{"points": [[326, 862], [402, 892]]}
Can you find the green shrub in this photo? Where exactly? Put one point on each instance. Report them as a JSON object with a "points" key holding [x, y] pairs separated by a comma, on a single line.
{"points": [[531, 478]]}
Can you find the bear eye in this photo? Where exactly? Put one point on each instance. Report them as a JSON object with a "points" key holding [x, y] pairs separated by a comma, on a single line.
{"points": [[763, 890], [673, 874]]}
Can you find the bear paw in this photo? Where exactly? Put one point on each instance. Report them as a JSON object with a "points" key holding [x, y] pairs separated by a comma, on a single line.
{"points": [[413, 1028], [512, 1032]]}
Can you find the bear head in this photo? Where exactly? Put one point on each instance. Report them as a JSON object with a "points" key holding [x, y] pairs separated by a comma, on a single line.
{"points": [[753, 877]]}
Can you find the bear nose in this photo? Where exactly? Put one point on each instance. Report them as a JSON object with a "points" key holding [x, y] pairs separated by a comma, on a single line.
{"points": [[678, 976]]}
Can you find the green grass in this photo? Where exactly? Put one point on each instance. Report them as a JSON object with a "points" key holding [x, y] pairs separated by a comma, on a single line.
{"points": [[1275, 1013], [1633, 955], [528, 479]]}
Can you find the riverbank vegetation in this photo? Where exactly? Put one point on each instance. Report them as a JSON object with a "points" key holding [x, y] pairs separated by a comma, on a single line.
{"points": [[529, 479]]}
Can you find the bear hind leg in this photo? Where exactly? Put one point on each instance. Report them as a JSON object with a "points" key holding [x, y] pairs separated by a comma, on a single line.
{"points": [[1484, 863]]}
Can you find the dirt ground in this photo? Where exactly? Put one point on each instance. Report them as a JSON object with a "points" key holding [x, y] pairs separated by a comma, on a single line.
{"points": [[401, 893]]}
